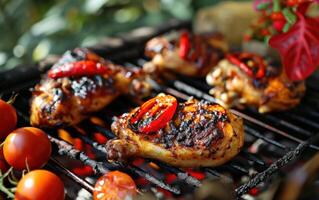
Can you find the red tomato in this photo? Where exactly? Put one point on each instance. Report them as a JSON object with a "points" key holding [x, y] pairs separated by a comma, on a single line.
{"points": [[114, 186], [29, 145], [154, 114], [40, 185], [275, 16], [8, 119]]}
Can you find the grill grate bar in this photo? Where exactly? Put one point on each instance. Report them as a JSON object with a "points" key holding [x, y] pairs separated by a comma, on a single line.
{"points": [[68, 150], [71, 175], [287, 124], [255, 133], [238, 168], [252, 157], [219, 175], [303, 120]]}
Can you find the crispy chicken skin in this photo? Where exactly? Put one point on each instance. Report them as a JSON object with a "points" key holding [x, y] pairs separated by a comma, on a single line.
{"points": [[232, 87], [69, 100], [199, 134], [206, 51]]}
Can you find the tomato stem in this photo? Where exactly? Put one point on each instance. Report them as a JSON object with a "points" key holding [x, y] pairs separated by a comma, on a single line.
{"points": [[12, 99], [27, 165], [3, 188], [276, 6]]}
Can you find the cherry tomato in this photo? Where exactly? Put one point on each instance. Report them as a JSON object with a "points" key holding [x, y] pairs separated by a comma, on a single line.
{"points": [[154, 114], [40, 185], [277, 16], [27, 145], [8, 119], [114, 185]]}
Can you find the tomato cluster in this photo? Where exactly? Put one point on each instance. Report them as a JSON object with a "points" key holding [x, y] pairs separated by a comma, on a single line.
{"points": [[27, 148]]}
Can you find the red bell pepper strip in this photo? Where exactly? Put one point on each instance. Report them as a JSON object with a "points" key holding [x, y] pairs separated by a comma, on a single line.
{"points": [[154, 114], [79, 68], [184, 45], [237, 59]]}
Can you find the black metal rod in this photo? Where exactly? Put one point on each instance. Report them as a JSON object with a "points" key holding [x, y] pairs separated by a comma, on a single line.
{"points": [[256, 134], [71, 175], [274, 167]]}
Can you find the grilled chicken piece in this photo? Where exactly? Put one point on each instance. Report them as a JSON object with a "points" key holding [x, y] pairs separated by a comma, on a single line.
{"points": [[198, 134], [69, 100], [190, 55], [235, 84]]}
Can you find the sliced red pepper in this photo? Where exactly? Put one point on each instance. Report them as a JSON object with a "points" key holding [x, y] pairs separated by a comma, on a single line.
{"points": [[184, 45], [154, 114], [79, 68], [240, 61]]}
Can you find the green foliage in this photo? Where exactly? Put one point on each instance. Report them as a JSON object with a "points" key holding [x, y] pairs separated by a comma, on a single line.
{"points": [[32, 29]]}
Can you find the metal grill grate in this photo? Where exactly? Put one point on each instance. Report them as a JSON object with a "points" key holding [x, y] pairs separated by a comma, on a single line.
{"points": [[272, 141]]}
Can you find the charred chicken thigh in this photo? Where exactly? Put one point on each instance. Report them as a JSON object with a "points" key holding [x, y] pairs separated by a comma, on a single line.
{"points": [[190, 134], [246, 79], [190, 55], [79, 84]]}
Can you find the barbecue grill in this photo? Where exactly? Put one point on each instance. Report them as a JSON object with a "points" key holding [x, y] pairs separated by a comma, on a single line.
{"points": [[274, 143]]}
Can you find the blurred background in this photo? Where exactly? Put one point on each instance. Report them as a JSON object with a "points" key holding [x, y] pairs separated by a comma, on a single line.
{"points": [[32, 29]]}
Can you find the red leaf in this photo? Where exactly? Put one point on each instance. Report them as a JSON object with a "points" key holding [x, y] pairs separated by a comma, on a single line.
{"points": [[299, 47]]}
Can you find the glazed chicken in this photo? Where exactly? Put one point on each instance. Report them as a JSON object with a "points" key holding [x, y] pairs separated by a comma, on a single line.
{"points": [[246, 79], [75, 90], [190, 134], [190, 55]]}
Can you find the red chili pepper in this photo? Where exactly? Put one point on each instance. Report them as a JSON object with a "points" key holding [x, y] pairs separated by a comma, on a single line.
{"points": [[154, 114], [79, 68], [240, 64], [184, 45], [239, 60]]}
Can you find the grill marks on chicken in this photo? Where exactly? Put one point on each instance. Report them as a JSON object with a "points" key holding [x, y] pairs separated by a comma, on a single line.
{"points": [[204, 53], [69, 100], [232, 87], [199, 134], [193, 129]]}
